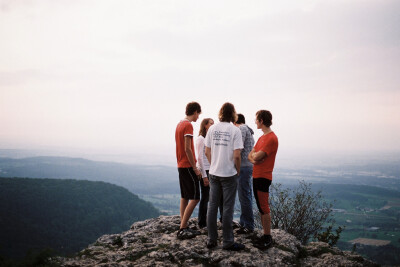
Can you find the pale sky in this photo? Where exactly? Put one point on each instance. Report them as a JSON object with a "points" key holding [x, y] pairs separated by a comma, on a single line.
{"points": [[115, 76]]}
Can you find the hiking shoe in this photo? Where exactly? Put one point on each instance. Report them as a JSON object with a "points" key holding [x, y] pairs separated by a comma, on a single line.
{"points": [[211, 244], [235, 247], [244, 231], [264, 242], [185, 233], [235, 225], [194, 231]]}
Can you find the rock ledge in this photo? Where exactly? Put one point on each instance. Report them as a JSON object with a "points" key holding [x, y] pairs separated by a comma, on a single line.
{"points": [[153, 243]]}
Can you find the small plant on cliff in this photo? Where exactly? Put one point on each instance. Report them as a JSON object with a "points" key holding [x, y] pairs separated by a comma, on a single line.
{"points": [[328, 236], [299, 211]]}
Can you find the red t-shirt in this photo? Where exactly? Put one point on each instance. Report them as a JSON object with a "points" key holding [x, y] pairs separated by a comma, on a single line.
{"points": [[269, 144], [184, 128]]}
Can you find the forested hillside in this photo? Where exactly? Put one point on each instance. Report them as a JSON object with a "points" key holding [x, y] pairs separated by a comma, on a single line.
{"points": [[139, 179], [65, 215]]}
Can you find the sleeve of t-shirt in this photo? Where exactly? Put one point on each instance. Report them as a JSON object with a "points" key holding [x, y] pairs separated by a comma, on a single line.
{"points": [[188, 130], [207, 141], [237, 139], [200, 153], [244, 133]]}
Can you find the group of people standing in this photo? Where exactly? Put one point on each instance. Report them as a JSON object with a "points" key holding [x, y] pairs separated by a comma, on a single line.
{"points": [[227, 161]]}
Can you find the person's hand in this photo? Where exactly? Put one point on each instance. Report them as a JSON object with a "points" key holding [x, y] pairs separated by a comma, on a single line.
{"points": [[197, 172], [205, 181]]}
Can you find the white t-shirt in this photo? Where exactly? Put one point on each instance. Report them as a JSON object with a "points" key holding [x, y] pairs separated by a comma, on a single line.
{"points": [[202, 161], [223, 138]]}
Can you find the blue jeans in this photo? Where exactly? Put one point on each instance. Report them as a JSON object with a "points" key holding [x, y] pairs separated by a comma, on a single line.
{"points": [[245, 198], [205, 192], [227, 187]]}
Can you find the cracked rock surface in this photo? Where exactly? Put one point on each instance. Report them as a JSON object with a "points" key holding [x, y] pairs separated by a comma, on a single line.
{"points": [[153, 242]]}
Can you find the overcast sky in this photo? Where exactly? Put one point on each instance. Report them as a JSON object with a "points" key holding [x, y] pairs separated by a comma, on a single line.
{"points": [[115, 76]]}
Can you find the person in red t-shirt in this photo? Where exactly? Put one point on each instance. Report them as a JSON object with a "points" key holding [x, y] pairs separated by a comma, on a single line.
{"points": [[189, 174], [263, 157]]}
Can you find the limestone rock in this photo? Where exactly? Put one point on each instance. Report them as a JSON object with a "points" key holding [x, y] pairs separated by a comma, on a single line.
{"points": [[153, 243]]}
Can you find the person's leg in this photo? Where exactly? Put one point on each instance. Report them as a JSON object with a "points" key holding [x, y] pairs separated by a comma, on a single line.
{"points": [[188, 212], [221, 207], [261, 194], [245, 198], [205, 192], [266, 223], [215, 195], [182, 186], [184, 203], [202, 217], [191, 193], [229, 189]]}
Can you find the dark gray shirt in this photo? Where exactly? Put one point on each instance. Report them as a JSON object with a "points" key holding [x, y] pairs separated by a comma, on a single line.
{"points": [[248, 144]]}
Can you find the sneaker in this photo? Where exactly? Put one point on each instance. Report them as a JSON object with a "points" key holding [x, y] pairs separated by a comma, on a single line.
{"points": [[185, 233], [194, 231], [235, 247], [264, 242], [244, 231], [211, 244], [235, 225]]}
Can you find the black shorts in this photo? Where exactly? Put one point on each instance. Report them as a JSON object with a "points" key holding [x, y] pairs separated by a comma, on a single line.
{"points": [[261, 194], [189, 183]]}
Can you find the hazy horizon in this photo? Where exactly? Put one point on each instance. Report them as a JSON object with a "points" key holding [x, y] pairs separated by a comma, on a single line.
{"points": [[113, 78], [284, 160]]}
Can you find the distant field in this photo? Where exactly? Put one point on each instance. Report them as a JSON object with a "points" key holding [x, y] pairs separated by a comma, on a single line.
{"points": [[361, 205], [370, 242]]}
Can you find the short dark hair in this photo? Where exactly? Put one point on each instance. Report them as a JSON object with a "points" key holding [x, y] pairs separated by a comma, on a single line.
{"points": [[227, 113], [192, 107], [265, 116], [240, 119]]}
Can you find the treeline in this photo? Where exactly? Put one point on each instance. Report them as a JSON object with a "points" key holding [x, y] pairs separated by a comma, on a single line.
{"points": [[139, 179], [385, 255], [63, 215]]}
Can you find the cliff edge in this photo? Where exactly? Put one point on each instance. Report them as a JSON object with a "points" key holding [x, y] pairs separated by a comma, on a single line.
{"points": [[153, 242]]}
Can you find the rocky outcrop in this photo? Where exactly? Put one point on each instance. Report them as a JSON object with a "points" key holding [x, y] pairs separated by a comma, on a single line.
{"points": [[153, 243]]}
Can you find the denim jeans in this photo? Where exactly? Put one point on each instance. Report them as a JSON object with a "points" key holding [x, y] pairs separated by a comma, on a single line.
{"points": [[245, 198], [205, 192], [227, 187]]}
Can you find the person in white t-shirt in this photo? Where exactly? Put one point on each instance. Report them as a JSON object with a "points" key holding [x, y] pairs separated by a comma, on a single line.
{"points": [[223, 146], [204, 166]]}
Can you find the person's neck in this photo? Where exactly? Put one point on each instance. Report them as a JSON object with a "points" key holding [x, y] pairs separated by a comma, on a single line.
{"points": [[266, 130], [189, 118]]}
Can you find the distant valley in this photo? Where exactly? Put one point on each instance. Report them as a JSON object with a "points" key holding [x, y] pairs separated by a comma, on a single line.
{"points": [[366, 197]]}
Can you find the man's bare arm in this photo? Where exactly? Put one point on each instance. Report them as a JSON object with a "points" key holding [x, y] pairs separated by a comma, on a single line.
{"points": [[189, 154], [256, 157], [259, 156]]}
